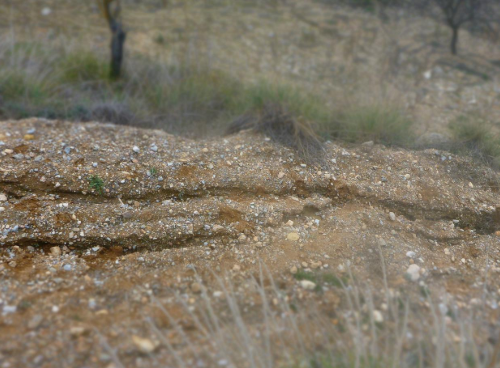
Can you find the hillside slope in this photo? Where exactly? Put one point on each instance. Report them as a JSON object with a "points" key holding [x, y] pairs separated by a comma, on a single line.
{"points": [[79, 254]]}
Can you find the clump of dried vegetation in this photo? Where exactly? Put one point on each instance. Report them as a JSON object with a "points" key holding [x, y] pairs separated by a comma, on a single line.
{"points": [[365, 328]]}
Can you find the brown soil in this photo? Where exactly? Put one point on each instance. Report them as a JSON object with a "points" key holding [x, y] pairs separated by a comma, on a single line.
{"points": [[210, 206]]}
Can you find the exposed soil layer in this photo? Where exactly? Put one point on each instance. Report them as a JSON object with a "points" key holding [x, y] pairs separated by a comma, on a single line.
{"points": [[170, 208]]}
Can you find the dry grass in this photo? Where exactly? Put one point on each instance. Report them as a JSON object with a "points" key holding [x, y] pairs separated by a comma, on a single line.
{"points": [[474, 135], [40, 79], [274, 121], [187, 72], [369, 328]]}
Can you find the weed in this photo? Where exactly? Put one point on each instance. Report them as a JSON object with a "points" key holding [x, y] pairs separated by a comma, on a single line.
{"points": [[196, 102], [320, 278], [82, 66], [334, 280], [326, 361], [377, 123], [160, 39], [24, 305], [97, 184], [472, 134], [304, 275], [153, 171], [298, 104], [425, 291], [277, 123]]}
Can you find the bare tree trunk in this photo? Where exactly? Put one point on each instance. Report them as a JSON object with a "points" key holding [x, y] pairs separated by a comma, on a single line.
{"points": [[454, 40], [117, 46]]}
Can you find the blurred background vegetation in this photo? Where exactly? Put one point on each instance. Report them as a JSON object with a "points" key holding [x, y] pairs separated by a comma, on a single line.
{"points": [[358, 70]]}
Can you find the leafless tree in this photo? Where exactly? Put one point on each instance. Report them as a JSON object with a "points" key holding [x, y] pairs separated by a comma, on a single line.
{"points": [[111, 12], [459, 13]]}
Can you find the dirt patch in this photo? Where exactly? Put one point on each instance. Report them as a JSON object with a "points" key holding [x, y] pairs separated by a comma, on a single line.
{"points": [[139, 248]]}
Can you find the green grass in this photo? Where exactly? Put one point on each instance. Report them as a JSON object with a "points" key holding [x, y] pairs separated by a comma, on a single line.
{"points": [[97, 184], [473, 135], [67, 84], [82, 66], [367, 5], [304, 275], [321, 278], [15, 85], [349, 362], [296, 102], [381, 124], [196, 101]]}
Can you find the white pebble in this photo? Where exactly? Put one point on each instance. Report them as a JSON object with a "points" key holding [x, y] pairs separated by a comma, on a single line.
{"points": [[413, 272], [377, 316], [308, 285], [9, 309]]}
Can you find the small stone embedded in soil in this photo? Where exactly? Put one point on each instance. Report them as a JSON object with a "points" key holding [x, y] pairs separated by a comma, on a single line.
{"points": [[144, 345], [136, 149], [443, 309], [377, 316], [315, 265], [9, 309], [55, 251], [392, 216], [196, 287], [308, 285], [413, 272], [35, 321], [3, 197], [217, 228], [382, 242], [293, 270], [293, 236], [410, 254], [77, 331]]}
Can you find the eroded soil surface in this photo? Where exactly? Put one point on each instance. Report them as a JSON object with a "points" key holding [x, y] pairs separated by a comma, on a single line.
{"points": [[80, 265]]}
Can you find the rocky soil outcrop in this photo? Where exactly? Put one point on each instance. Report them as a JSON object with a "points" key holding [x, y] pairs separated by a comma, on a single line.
{"points": [[99, 220], [158, 190]]}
